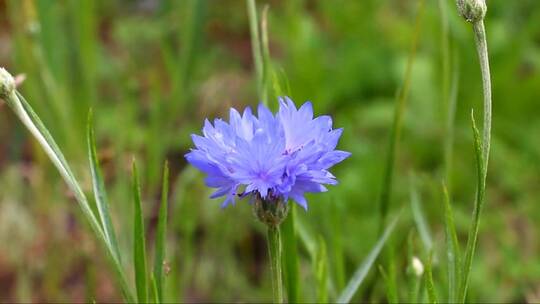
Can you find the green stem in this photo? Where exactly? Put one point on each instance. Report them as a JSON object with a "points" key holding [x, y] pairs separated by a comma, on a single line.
{"points": [[482, 155], [274, 249], [481, 48]]}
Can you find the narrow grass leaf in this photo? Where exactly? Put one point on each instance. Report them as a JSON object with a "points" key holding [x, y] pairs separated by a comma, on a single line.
{"points": [[432, 296], [34, 124], [479, 202], [386, 189], [362, 271], [139, 246], [256, 46], [153, 286], [161, 236], [321, 272], [419, 217], [453, 253], [98, 186], [290, 256], [391, 288]]}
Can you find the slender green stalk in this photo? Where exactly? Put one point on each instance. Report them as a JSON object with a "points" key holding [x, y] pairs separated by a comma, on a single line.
{"points": [[290, 256], [429, 280], [478, 206], [34, 124], [386, 189], [161, 236], [482, 50], [274, 249], [453, 254], [474, 11], [139, 242], [256, 47]]}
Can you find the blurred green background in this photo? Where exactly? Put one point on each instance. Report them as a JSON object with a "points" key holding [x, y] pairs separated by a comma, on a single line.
{"points": [[153, 70]]}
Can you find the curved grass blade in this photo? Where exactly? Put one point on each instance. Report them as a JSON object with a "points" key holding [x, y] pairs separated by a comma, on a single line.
{"points": [[388, 175], [479, 203], [98, 186], [391, 288], [452, 249], [33, 123], [290, 256], [256, 48], [161, 236], [139, 246], [362, 271], [419, 217], [432, 296], [321, 272]]}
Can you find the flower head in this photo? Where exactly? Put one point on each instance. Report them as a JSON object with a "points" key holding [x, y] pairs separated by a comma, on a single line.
{"points": [[278, 156]]}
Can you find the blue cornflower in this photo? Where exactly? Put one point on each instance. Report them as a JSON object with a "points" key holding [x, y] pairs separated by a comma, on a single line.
{"points": [[278, 156]]}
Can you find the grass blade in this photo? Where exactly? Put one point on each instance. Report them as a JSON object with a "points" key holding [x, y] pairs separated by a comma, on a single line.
{"points": [[153, 286], [33, 123], [386, 189], [362, 271], [321, 272], [432, 296], [391, 288], [256, 47], [98, 186], [290, 256], [419, 217], [161, 236], [479, 202], [139, 246], [452, 249]]}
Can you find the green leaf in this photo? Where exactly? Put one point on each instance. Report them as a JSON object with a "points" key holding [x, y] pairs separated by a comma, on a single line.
{"points": [[321, 271], [452, 249], [391, 288], [98, 186], [139, 246], [429, 281], [479, 202], [161, 236], [362, 271], [33, 123], [419, 217], [256, 48], [399, 112], [290, 256], [153, 285]]}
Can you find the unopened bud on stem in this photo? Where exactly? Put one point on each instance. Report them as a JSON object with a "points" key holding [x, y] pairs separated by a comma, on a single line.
{"points": [[472, 10], [7, 84], [270, 210]]}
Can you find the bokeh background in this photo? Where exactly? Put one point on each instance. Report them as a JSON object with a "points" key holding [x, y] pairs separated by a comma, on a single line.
{"points": [[153, 70]]}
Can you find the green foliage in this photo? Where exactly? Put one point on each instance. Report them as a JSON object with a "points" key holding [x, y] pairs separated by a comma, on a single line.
{"points": [[362, 270], [139, 241], [152, 71]]}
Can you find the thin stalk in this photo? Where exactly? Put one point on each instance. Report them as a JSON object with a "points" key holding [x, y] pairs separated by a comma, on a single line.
{"points": [[482, 50], [386, 189], [482, 151], [32, 122], [256, 47], [274, 249]]}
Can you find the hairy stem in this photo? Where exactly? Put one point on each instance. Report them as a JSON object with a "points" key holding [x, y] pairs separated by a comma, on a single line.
{"points": [[482, 152], [481, 48], [274, 249]]}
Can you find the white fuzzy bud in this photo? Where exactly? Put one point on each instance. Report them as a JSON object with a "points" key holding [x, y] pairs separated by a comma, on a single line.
{"points": [[7, 83], [417, 266], [472, 10]]}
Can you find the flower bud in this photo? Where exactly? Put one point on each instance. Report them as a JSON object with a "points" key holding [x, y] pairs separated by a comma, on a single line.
{"points": [[417, 266], [472, 10], [271, 210], [7, 83]]}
